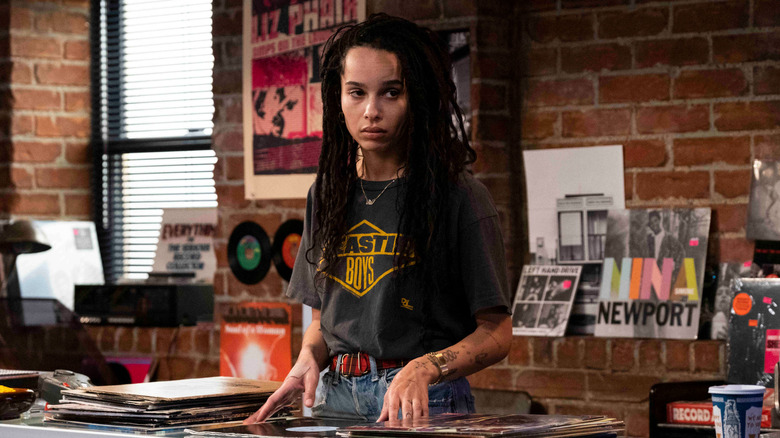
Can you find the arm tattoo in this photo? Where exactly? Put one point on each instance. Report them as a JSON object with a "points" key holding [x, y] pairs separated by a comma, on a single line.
{"points": [[450, 355], [480, 358]]}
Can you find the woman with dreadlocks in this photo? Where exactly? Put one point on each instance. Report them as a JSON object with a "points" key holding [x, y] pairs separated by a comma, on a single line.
{"points": [[402, 259]]}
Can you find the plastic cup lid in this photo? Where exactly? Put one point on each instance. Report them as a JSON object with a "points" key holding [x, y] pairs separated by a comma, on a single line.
{"points": [[736, 389]]}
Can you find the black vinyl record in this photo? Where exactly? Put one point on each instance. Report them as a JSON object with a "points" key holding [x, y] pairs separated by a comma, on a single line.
{"points": [[249, 252], [285, 248]]}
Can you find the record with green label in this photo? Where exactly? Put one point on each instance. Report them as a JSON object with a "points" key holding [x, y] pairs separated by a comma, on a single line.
{"points": [[249, 252]]}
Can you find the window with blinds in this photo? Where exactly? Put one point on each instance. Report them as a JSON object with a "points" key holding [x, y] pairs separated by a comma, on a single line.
{"points": [[153, 107]]}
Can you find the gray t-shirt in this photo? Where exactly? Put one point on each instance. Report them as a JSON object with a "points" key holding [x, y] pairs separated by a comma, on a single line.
{"points": [[362, 310]]}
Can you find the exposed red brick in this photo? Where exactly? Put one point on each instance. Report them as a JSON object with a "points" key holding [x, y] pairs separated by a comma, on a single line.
{"points": [[637, 421], [766, 13], [234, 166], [707, 356], [208, 367], [62, 22], [596, 122], [766, 147], [143, 342], [229, 139], [673, 118], [21, 178], [738, 116], [20, 18], [571, 4], [492, 378], [76, 50], [710, 16], [732, 183], [766, 79], [639, 22], [622, 354], [489, 66], [269, 221], [746, 48], [181, 368], [568, 353], [662, 185], [639, 88], [491, 33], [227, 82], [46, 126], [596, 353], [492, 127], [225, 23], [36, 152], [538, 5], [735, 250], [620, 387], [540, 62], [729, 218], [220, 251], [538, 125], [419, 10], [21, 124], [459, 9], [644, 153], [559, 92], [36, 99], [566, 28], [36, 47], [710, 83], [693, 151], [76, 101], [491, 159], [78, 153], [650, 355], [78, 206], [551, 383], [62, 178], [677, 355], [36, 204], [542, 351], [520, 351], [676, 52], [21, 73], [489, 97], [595, 58], [57, 74], [228, 109]]}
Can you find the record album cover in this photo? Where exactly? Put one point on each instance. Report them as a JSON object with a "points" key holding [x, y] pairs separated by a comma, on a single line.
{"points": [[653, 271], [543, 300], [764, 209]]}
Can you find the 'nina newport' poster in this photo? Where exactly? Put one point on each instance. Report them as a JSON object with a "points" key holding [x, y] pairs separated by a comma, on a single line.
{"points": [[653, 270]]}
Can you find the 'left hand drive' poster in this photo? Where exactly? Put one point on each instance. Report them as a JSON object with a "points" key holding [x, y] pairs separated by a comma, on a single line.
{"points": [[282, 104]]}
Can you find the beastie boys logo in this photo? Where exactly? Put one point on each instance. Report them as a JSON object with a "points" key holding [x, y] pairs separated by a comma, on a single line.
{"points": [[365, 258]]}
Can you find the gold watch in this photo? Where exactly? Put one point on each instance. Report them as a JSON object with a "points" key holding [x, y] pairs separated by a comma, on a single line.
{"points": [[441, 363]]}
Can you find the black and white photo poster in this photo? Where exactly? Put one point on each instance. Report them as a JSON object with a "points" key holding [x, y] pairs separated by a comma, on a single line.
{"points": [[543, 300]]}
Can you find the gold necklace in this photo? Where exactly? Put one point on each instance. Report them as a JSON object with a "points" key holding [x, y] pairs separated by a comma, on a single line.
{"points": [[371, 201]]}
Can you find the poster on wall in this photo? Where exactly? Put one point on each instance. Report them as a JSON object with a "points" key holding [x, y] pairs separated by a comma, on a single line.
{"points": [[653, 272], [185, 243], [543, 300], [256, 341], [282, 104]]}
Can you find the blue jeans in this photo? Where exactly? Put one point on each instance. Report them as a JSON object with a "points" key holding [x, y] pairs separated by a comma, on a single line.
{"points": [[360, 398]]}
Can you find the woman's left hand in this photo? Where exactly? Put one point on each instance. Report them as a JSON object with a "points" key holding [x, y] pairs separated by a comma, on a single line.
{"points": [[409, 391]]}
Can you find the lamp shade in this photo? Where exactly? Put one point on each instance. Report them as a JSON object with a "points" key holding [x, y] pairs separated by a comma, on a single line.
{"points": [[23, 237]]}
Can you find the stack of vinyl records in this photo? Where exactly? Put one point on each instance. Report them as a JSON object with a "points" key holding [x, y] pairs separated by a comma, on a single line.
{"points": [[162, 405], [486, 426]]}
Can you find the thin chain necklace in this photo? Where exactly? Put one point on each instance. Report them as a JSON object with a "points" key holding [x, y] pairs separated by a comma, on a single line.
{"points": [[371, 201]]}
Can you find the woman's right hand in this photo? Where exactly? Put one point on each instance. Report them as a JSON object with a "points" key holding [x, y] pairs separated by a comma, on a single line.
{"points": [[302, 378]]}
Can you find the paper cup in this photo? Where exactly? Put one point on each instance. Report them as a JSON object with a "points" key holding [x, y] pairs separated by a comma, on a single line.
{"points": [[736, 410]]}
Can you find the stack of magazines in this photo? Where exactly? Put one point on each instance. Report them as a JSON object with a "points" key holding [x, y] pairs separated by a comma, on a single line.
{"points": [[159, 406], [485, 425]]}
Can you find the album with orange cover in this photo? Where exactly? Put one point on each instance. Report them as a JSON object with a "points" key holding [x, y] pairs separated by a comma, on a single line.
{"points": [[256, 341]]}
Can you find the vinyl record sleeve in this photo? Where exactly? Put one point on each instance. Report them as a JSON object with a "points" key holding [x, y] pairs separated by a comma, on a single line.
{"points": [[249, 252], [287, 240]]}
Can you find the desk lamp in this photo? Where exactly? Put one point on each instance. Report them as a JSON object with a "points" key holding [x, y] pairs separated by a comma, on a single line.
{"points": [[20, 237]]}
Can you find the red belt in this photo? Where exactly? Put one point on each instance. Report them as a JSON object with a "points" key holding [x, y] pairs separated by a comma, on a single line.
{"points": [[358, 364]]}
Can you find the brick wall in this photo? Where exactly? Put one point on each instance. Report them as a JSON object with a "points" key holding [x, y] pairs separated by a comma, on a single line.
{"points": [[691, 88], [44, 78]]}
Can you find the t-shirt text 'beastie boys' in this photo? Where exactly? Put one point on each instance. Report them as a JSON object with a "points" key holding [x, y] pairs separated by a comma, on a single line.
{"points": [[363, 309]]}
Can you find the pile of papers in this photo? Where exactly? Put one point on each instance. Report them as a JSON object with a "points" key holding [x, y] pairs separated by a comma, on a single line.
{"points": [[162, 405]]}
